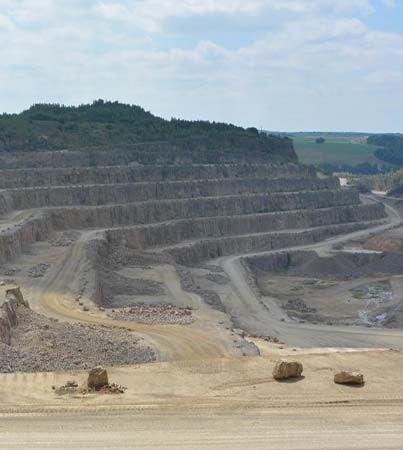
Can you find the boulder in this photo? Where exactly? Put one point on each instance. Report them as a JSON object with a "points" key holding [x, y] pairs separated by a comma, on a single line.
{"points": [[15, 294], [348, 377], [97, 378], [287, 369], [8, 313]]}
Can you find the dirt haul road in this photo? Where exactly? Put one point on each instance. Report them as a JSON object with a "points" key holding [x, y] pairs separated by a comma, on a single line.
{"points": [[54, 298]]}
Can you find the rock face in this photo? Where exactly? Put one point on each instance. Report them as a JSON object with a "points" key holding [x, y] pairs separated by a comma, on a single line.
{"points": [[287, 369], [97, 378], [348, 377], [81, 174], [119, 193], [216, 204], [8, 313]]}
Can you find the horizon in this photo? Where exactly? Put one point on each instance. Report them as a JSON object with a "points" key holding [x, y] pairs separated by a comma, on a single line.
{"points": [[277, 65], [279, 132]]}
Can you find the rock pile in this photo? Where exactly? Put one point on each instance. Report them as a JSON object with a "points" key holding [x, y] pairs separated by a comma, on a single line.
{"points": [[40, 344], [39, 270], [154, 314], [97, 382]]}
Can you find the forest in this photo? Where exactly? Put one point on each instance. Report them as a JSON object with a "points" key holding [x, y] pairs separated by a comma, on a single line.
{"points": [[108, 125]]}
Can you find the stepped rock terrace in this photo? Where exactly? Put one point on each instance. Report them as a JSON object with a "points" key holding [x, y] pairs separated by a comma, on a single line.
{"points": [[175, 208]]}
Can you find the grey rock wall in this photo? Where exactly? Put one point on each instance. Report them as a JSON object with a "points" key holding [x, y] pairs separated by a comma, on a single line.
{"points": [[83, 175], [6, 203], [130, 193], [15, 241], [182, 230], [149, 155], [160, 211], [211, 249]]}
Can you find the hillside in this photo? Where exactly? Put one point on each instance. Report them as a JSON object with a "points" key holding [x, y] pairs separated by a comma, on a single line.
{"points": [[112, 124], [390, 182], [390, 148]]}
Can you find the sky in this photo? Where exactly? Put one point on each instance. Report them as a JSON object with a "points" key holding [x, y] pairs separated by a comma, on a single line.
{"points": [[286, 65]]}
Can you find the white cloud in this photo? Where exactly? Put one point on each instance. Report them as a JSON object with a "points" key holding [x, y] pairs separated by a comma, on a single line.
{"points": [[311, 63], [153, 15], [390, 3], [385, 76]]}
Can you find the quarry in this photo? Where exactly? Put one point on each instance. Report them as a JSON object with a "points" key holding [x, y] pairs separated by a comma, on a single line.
{"points": [[189, 276], [144, 247]]}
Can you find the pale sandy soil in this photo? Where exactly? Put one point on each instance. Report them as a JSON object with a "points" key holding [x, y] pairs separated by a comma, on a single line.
{"points": [[213, 404]]}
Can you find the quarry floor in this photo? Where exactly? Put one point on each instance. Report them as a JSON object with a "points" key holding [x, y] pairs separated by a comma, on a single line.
{"points": [[208, 390], [213, 404]]}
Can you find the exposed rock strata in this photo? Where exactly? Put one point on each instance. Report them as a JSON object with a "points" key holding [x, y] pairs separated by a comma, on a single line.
{"points": [[190, 253], [93, 195], [82, 175], [8, 313], [160, 211], [15, 241], [147, 154], [175, 232]]}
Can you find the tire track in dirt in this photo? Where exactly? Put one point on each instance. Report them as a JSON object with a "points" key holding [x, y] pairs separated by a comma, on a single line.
{"points": [[171, 342]]}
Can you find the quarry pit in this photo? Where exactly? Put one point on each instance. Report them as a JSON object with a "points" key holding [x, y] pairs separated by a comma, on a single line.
{"points": [[150, 250], [363, 289], [160, 272]]}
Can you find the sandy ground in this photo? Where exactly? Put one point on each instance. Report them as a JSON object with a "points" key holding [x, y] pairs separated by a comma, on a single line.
{"points": [[218, 404], [379, 428]]}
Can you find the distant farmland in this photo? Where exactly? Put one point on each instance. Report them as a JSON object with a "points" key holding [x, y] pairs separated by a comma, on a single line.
{"points": [[337, 149]]}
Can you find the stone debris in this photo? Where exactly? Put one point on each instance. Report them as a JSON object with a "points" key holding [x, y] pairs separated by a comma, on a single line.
{"points": [[218, 278], [40, 344], [69, 388], [11, 272], [287, 369], [154, 314], [72, 388], [299, 305], [349, 377], [270, 339], [188, 284], [66, 239], [97, 378], [39, 270], [113, 389]]}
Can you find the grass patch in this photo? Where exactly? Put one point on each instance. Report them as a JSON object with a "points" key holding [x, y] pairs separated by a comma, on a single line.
{"points": [[346, 149]]}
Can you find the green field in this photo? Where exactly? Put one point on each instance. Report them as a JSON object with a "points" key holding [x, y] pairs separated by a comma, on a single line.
{"points": [[338, 149]]}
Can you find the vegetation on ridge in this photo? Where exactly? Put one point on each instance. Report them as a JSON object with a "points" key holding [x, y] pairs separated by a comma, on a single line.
{"points": [[110, 124], [390, 148]]}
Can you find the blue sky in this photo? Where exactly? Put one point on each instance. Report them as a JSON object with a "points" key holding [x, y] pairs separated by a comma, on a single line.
{"points": [[273, 64]]}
